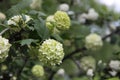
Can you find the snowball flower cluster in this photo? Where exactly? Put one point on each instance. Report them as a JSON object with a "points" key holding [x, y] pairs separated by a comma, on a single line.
{"points": [[87, 62], [2, 16], [38, 70], [36, 4], [114, 64], [93, 41], [90, 72], [63, 7], [4, 48], [91, 15], [59, 20], [50, 22], [15, 20], [51, 52]]}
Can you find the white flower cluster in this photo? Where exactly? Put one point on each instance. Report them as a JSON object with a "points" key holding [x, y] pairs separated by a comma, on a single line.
{"points": [[4, 48], [63, 7], [114, 64], [15, 20], [51, 52], [58, 22], [2, 16], [90, 72], [38, 70], [87, 62], [36, 4], [92, 15], [93, 41]]}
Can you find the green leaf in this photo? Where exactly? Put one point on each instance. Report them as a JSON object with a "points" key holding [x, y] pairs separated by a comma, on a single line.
{"points": [[27, 41], [41, 29]]}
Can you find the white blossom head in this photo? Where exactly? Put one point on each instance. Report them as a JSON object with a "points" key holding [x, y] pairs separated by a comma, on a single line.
{"points": [[51, 52], [36, 4], [114, 64], [90, 73], [38, 70], [93, 41], [87, 62], [63, 7], [4, 48], [2, 16], [92, 15]]}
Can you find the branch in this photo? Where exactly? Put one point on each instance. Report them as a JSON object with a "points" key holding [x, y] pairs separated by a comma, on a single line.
{"points": [[4, 31], [112, 33], [74, 52]]}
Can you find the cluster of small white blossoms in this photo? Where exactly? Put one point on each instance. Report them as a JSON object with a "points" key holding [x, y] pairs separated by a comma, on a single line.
{"points": [[36, 4], [87, 62], [92, 15], [4, 48], [93, 41], [15, 20], [90, 73], [60, 20], [38, 71], [2, 16], [51, 52], [114, 64], [63, 7]]}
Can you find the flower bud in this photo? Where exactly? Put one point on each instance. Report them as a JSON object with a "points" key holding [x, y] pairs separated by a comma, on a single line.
{"points": [[4, 48], [62, 20], [93, 41], [90, 73], [38, 71], [51, 52], [88, 62]]}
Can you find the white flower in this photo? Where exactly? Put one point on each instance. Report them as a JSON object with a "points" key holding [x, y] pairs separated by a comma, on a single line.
{"points": [[113, 72], [61, 72], [51, 52], [38, 70], [2, 16], [114, 64], [17, 19], [64, 7], [90, 72], [36, 4], [82, 18], [4, 48], [93, 41], [92, 14]]}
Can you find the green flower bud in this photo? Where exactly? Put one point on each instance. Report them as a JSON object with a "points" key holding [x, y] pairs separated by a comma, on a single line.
{"points": [[88, 62], [51, 52], [50, 23], [62, 20], [93, 41], [38, 71], [4, 48]]}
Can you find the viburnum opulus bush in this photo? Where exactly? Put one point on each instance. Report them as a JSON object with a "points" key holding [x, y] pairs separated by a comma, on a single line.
{"points": [[58, 40]]}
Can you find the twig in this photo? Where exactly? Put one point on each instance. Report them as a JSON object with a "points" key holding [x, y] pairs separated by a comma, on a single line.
{"points": [[4, 31], [74, 52]]}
